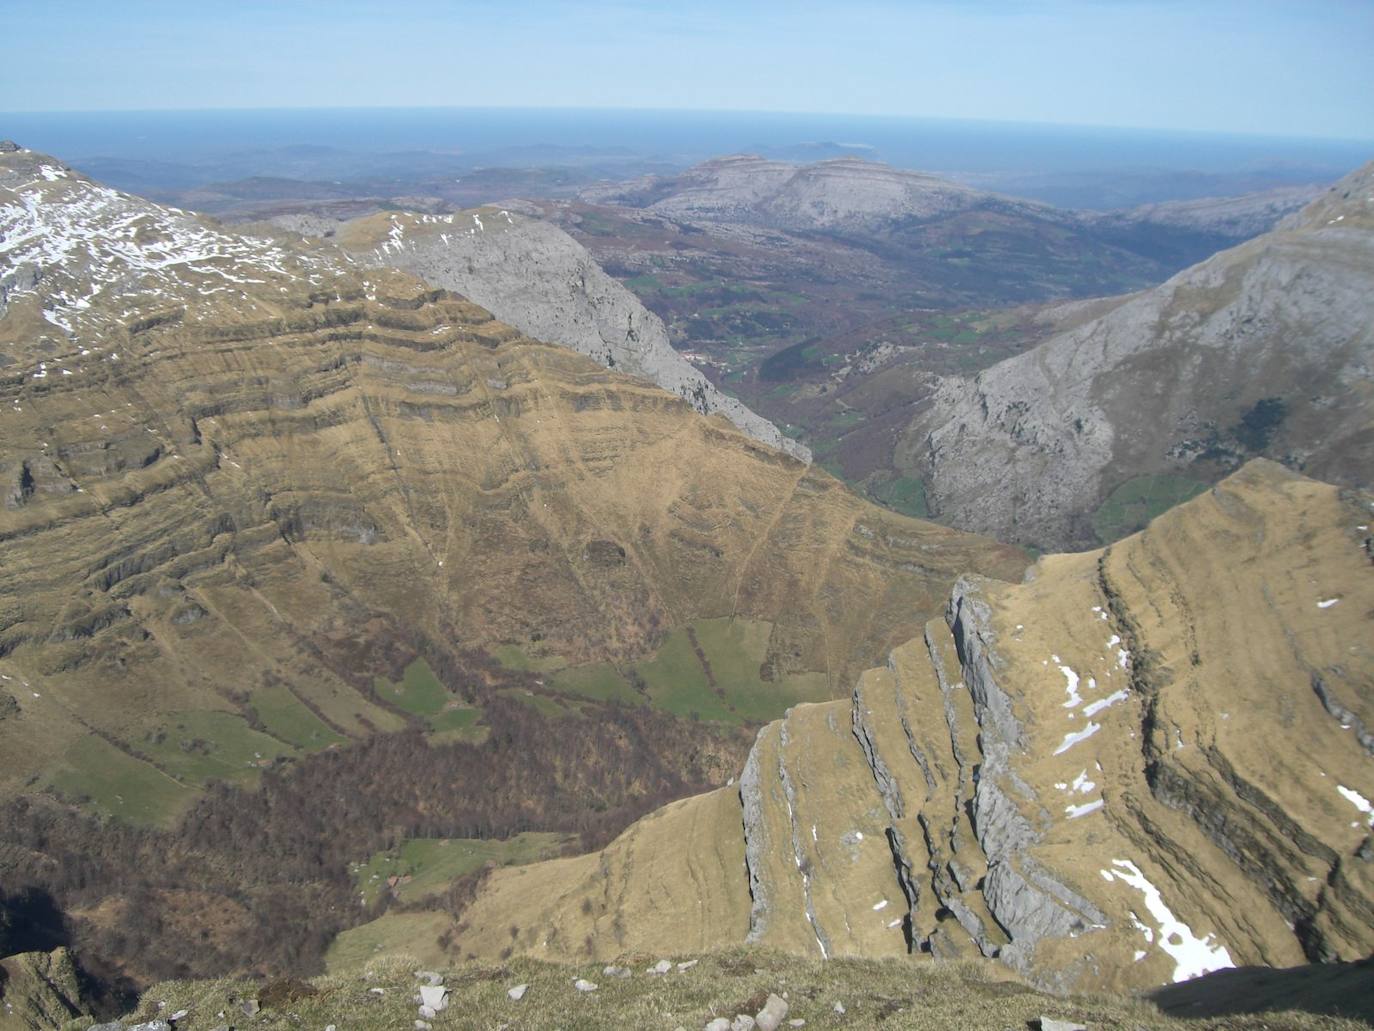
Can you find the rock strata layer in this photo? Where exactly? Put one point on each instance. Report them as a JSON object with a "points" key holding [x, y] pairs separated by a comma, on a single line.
{"points": [[1117, 774]]}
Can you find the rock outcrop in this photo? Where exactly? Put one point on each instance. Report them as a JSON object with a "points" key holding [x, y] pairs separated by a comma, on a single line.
{"points": [[1117, 774], [532, 275], [39, 991], [1263, 349]]}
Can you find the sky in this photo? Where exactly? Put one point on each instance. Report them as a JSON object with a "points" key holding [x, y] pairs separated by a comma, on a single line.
{"points": [[1274, 67]]}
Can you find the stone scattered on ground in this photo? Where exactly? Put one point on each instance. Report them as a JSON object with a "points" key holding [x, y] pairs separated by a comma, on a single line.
{"points": [[1054, 1024], [839, 1009], [518, 992], [743, 1022], [661, 967], [434, 995], [681, 967], [614, 971], [583, 985], [772, 1015]]}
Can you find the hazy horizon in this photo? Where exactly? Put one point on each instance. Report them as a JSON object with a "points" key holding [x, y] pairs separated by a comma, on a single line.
{"points": [[1261, 67]]}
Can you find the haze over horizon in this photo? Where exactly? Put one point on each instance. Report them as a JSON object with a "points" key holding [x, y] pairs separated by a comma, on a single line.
{"points": [[1150, 64]]}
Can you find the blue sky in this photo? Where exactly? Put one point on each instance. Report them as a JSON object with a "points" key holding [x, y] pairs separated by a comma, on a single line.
{"points": [[1253, 66]]}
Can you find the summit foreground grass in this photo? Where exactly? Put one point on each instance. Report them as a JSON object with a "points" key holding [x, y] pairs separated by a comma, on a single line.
{"points": [[900, 993]]}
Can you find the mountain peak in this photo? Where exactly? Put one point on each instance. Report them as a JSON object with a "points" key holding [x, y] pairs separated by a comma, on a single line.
{"points": [[1347, 204]]}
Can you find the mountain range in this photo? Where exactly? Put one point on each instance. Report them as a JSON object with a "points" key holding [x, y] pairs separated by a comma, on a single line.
{"points": [[313, 568], [264, 505]]}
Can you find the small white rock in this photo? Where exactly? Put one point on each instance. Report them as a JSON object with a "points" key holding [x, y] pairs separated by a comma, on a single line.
{"points": [[428, 1012], [661, 967], [743, 1022], [687, 965], [583, 985], [719, 1024], [839, 1009], [518, 992], [435, 996]]}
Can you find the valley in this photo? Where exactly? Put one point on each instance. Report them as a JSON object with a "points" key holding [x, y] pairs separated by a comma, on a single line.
{"points": [[275, 521], [413, 585]]}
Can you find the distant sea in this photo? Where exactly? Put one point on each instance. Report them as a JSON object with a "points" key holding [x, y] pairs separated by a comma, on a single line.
{"points": [[974, 146], [1001, 154]]}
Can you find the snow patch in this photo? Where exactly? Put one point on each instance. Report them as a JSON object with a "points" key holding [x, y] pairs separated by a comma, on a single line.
{"points": [[1192, 956], [1105, 703], [1072, 688], [1076, 736], [1358, 801], [1075, 811]]}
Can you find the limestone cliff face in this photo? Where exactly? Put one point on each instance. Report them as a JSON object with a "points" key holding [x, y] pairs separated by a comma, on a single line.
{"points": [[244, 477], [1141, 764], [540, 280], [1029, 448]]}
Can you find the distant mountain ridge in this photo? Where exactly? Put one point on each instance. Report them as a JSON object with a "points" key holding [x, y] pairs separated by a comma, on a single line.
{"points": [[1265, 348]]}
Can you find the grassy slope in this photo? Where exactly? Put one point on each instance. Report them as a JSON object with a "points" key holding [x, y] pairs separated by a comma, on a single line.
{"points": [[874, 994]]}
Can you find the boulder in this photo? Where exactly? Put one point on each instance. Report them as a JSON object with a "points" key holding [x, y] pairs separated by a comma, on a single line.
{"points": [[772, 1015]]}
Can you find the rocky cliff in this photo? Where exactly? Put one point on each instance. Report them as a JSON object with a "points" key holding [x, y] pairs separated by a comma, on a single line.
{"points": [[1263, 349], [540, 280], [1142, 764]]}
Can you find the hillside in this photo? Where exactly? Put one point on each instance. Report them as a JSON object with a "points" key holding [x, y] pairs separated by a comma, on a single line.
{"points": [[301, 560], [1263, 349], [540, 280], [708, 991], [1140, 765]]}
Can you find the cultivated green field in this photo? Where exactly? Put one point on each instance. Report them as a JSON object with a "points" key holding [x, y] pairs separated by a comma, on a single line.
{"points": [[429, 865], [285, 717], [420, 694], [204, 746], [116, 784], [676, 680], [1137, 501], [904, 494]]}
